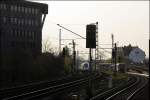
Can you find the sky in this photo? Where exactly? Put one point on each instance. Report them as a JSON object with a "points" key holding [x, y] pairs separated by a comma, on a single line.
{"points": [[127, 20]]}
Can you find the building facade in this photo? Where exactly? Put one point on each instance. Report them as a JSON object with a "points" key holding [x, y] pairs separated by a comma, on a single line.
{"points": [[130, 53], [21, 25]]}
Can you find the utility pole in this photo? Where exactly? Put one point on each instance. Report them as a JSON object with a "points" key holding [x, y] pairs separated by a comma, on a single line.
{"points": [[90, 94], [112, 36], [115, 59], [59, 41], [77, 61], [97, 47], [74, 56], [90, 55]]}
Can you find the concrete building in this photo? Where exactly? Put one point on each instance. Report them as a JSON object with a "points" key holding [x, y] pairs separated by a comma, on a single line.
{"points": [[21, 25]]}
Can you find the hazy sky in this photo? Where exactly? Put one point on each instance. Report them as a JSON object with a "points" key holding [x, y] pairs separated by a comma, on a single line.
{"points": [[127, 20]]}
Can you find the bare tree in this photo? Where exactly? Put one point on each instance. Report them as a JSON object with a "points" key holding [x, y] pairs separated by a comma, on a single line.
{"points": [[46, 46]]}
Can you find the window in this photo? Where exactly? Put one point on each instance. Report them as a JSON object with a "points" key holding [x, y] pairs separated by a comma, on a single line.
{"points": [[19, 33], [0, 6], [22, 34], [4, 19], [29, 10], [15, 8], [26, 21], [15, 20], [12, 44], [11, 33], [33, 10], [33, 35], [26, 10], [22, 21], [19, 22], [3, 6], [36, 11], [19, 8], [29, 22], [9, 44], [15, 33], [11, 19], [22, 9], [36, 23], [26, 34], [12, 8], [32, 22], [29, 34]]}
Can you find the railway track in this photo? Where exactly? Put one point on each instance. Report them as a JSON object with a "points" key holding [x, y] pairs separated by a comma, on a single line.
{"points": [[32, 90], [128, 92], [121, 92], [125, 91], [103, 95]]}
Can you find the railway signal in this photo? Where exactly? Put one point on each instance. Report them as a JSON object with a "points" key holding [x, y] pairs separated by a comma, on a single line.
{"points": [[90, 43], [91, 36]]}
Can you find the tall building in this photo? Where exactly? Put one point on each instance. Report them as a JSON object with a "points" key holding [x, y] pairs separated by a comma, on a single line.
{"points": [[21, 25]]}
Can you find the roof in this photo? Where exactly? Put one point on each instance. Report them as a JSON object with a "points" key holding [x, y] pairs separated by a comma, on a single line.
{"points": [[42, 6]]}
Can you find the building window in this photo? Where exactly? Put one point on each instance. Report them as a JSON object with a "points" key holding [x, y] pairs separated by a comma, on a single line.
{"points": [[18, 33], [26, 21], [11, 33], [32, 22], [22, 9], [29, 10], [3, 6], [15, 8], [29, 22], [15, 33], [19, 8], [22, 21], [33, 35], [0, 6], [33, 10], [18, 21], [4, 19], [26, 34], [11, 19], [15, 20], [22, 34], [29, 34], [36, 23], [12, 43], [26, 10], [12, 8], [36, 11]]}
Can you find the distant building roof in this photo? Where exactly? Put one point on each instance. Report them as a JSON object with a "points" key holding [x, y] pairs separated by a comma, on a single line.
{"points": [[42, 6], [126, 49]]}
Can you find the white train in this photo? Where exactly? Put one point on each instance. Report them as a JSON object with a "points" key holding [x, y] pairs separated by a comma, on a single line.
{"points": [[84, 66]]}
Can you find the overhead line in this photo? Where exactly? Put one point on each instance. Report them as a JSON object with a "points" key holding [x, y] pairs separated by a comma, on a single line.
{"points": [[105, 44], [71, 31], [72, 39], [105, 50]]}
